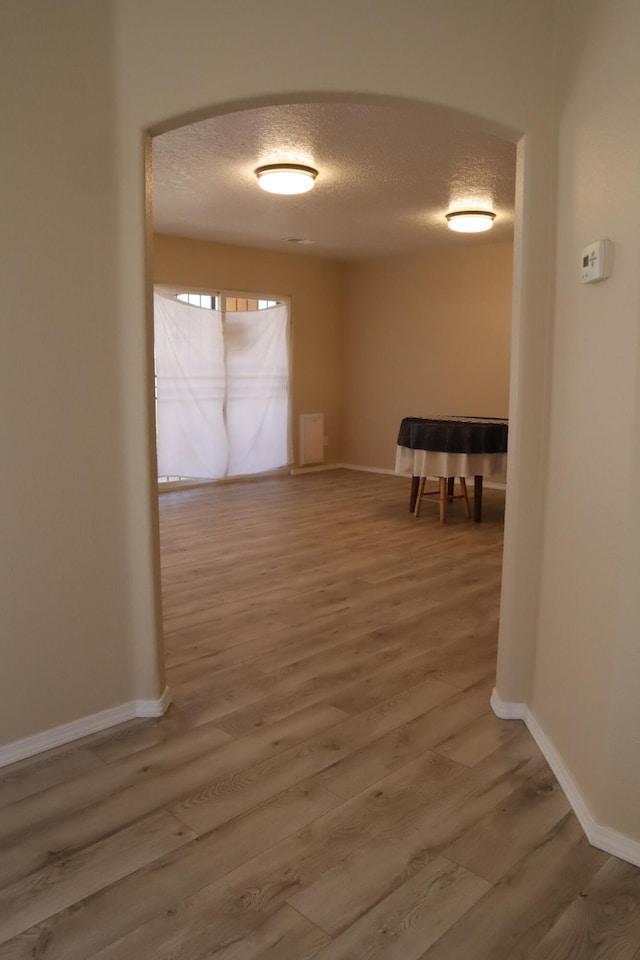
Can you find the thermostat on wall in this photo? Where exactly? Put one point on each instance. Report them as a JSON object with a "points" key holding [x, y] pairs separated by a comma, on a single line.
{"points": [[597, 260]]}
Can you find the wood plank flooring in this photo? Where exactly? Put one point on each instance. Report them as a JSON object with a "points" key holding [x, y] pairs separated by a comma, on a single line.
{"points": [[329, 781]]}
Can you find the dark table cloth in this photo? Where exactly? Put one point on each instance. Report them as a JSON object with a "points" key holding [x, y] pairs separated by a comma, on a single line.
{"points": [[454, 435]]}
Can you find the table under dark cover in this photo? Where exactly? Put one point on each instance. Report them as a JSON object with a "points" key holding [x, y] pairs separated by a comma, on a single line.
{"points": [[455, 435]]}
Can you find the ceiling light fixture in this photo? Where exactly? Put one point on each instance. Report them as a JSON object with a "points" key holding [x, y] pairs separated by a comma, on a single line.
{"points": [[286, 178], [470, 221]]}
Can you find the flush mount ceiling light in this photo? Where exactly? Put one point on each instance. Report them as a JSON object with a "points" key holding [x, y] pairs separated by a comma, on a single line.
{"points": [[286, 178], [470, 221]]}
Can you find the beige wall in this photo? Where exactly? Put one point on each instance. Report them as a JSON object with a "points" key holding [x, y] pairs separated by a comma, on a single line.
{"points": [[316, 290], [374, 340], [81, 84], [426, 334], [427, 52], [65, 596], [587, 672]]}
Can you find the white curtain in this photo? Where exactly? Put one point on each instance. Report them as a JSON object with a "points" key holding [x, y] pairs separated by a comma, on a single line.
{"points": [[190, 378], [222, 390], [257, 390]]}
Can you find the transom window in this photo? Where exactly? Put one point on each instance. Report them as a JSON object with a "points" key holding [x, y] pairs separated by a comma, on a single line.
{"points": [[231, 304]]}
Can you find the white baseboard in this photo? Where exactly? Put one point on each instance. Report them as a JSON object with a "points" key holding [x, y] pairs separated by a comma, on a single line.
{"points": [[604, 838], [318, 468], [388, 473], [487, 485], [296, 471], [94, 723], [153, 708], [506, 710]]}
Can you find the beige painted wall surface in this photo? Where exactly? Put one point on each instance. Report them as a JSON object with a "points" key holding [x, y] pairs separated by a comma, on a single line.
{"points": [[81, 84], [427, 334], [65, 604], [427, 52], [588, 663], [316, 288]]}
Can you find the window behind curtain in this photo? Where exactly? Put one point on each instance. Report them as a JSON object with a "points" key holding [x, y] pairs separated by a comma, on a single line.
{"points": [[222, 387]]}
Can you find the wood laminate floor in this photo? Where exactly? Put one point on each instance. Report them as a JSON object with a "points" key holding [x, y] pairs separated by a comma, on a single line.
{"points": [[330, 781]]}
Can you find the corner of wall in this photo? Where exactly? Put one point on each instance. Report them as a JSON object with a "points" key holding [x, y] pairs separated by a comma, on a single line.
{"points": [[84, 727], [598, 835]]}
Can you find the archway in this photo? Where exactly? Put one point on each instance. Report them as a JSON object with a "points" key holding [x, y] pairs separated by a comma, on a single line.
{"points": [[473, 122]]}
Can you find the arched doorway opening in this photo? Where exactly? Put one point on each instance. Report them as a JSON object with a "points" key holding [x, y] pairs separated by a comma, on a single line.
{"points": [[442, 116]]}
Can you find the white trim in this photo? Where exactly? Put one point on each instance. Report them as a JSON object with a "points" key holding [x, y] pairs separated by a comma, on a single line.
{"points": [[488, 484], [320, 468], [355, 466], [604, 838], [505, 710], [153, 708], [172, 487], [94, 723]]}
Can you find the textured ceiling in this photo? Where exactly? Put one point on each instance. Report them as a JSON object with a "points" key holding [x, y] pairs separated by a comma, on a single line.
{"points": [[387, 177]]}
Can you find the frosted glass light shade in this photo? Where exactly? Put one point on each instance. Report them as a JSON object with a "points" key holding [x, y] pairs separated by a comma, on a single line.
{"points": [[470, 221], [287, 178]]}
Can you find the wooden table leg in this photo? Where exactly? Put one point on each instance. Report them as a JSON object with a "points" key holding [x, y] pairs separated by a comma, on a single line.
{"points": [[477, 498], [450, 487], [415, 483], [443, 499]]}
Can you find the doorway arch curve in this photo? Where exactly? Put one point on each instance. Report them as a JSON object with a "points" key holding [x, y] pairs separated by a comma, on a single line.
{"points": [[513, 660]]}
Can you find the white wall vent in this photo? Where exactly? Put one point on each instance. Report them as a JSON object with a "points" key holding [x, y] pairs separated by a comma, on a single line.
{"points": [[311, 438]]}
